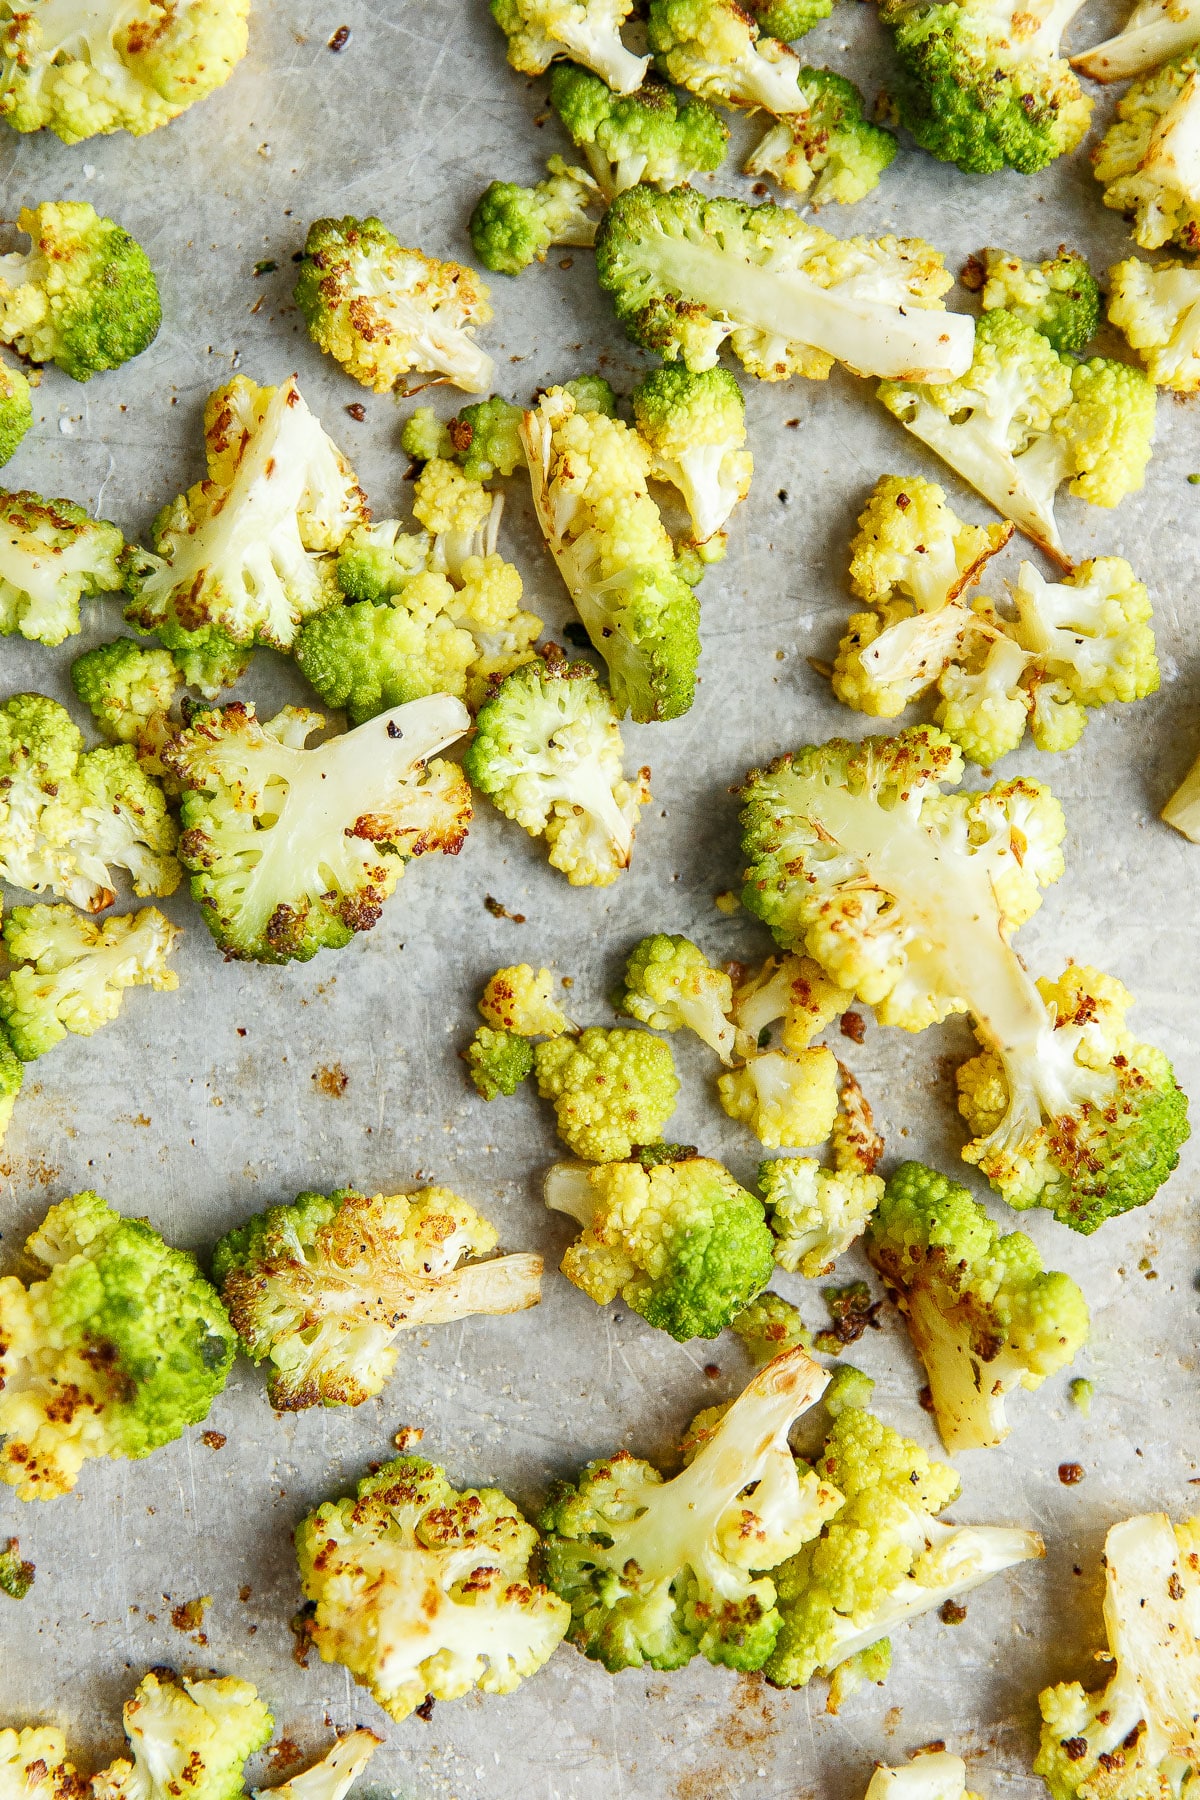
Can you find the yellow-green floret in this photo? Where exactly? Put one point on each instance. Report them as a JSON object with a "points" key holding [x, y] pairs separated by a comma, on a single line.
{"points": [[74, 971], [789, 19], [52, 555], [513, 226], [129, 692], [197, 1735], [714, 47], [680, 1241], [694, 426], [768, 1326], [16, 1578], [485, 439], [114, 1350], [521, 999], [786, 1097], [611, 1089], [16, 409], [322, 1289], [791, 989], [1092, 631], [1147, 158], [1158, 309], [984, 1316], [670, 984], [83, 296], [1060, 297], [540, 31], [654, 135], [420, 1589], [830, 151], [498, 1061], [656, 1571], [34, 1766], [815, 1213]]}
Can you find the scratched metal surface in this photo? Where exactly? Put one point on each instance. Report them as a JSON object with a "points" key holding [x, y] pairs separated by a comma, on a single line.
{"points": [[199, 1108]]}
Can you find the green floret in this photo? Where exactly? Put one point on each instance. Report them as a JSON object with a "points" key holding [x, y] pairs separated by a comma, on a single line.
{"points": [[815, 1213], [770, 1325], [788, 19], [499, 1061], [670, 983], [193, 1734], [649, 136], [425, 436], [983, 84], [16, 1579], [1091, 1123], [1082, 1392], [513, 226], [695, 428], [485, 439], [883, 1558], [681, 1242], [422, 1590], [714, 48], [12, 1075], [323, 1288], [115, 1350], [51, 555], [588, 474], [658, 1571], [129, 692], [76, 971], [1023, 420], [830, 152], [84, 295], [1147, 158], [611, 1089], [685, 273], [848, 1387], [16, 409], [82, 72], [547, 752], [365, 659], [540, 31], [592, 394], [983, 1314], [1059, 298], [375, 562]]}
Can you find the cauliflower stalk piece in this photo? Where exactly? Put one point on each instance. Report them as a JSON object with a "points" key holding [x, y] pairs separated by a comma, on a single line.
{"points": [[611, 1089], [16, 408], [548, 754], [714, 48], [910, 896], [1182, 810], [1158, 309], [680, 1241], [588, 474], [984, 1316], [686, 272], [118, 1348], [670, 984], [829, 151], [194, 1733], [335, 1774], [786, 1097], [83, 296], [658, 1571], [80, 71], [322, 1288], [1154, 33], [513, 226], [52, 555], [75, 971], [385, 312], [420, 1589], [519, 1000], [931, 1775], [1138, 1735], [652, 135], [695, 429], [1060, 298], [1147, 160], [34, 1766], [588, 31], [294, 850]]}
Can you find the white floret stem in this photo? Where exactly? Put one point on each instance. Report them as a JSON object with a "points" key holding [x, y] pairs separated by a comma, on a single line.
{"points": [[602, 51], [335, 1774], [968, 1394], [766, 1003], [1152, 1620], [916, 651], [771, 80], [937, 1775], [584, 785], [568, 1189], [702, 1015], [708, 498], [1173, 154], [504, 1284], [1183, 808], [1050, 17], [1154, 32]]}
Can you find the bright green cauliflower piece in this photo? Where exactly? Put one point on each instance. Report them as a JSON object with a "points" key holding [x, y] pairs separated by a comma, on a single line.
{"points": [[16, 408], [16, 1579], [588, 31], [658, 1571], [548, 754], [670, 984], [611, 1089], [1091, 631], [883, 1558], [385, 312], [498, 1061], [680, 1241], [1060, 298], [1083, 1120], [984, 1316], [816, 1214], [1147, 159], [513, 226], [769, 1326], [714, 48], [83, 296], [588, 474], [486, 438], [322, 1289], [1137, 1736], [75, 971], [51, 555], [1023, 420], [685, 272], [1158, 310], [80, 72], [420, 1589], [982, 83], [695, 429], [129, 692], [377, 561], [786, 1097], [194, 1733], [788, 19], [425, 435], [652, 135], [521, 999], [829, 151], [116, 1349], [293, 850]]}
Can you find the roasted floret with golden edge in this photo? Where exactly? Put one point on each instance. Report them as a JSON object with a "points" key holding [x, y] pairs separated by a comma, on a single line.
{"points": [[71, 972], [52, 555], [82, 296], [611, 1089], [186, 1736]]}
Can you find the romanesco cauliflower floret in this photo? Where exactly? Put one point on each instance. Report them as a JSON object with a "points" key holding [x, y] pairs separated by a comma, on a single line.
{"points": [[129, 692], [589, 31], [785, 1097], [51, 555], [294, 850], [659, 1571], [547, 752], [425, 435], [1091, 631], [815, 1213], [611, 1089], [714, 48], [322, 1288], [1069, 1111], [1060, 298], [670, 984], [498, 1061], [117, 1349], [1158, 309], [884, 1557], [984, 1316], [982, 83], [385, 312], [82, 71], [829, 151], [197, 1734], [420, 1589], [789, 19], [75, 971], [513, 226], [485, 439], [522, 1000], [794, 989], [1147, 159], [83, 296], [16, 408], [34, 1766], [652, 135], [769, 1326], [695, 428], [686, 272], [1140, 1734], [376, 562], [680, 1241]]}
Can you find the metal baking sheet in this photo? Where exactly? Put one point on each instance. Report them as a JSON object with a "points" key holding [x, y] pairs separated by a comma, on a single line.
{"points": [[199, 1108]]}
